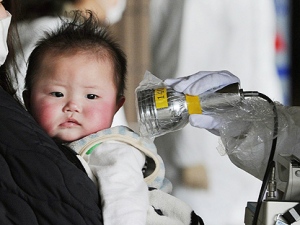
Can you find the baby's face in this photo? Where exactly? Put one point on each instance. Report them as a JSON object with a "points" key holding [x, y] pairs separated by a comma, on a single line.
{"points": [[74, 96]]}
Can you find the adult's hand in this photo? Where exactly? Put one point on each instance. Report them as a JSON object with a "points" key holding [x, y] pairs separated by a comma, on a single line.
{"points": [[201, 82]]}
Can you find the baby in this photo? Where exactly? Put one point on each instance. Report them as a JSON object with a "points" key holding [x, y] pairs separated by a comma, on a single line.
{"points": [[74, 85]]}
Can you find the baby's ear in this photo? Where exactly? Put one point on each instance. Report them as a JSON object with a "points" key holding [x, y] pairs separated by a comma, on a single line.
{"points": [[26, 99], [120, 102]]}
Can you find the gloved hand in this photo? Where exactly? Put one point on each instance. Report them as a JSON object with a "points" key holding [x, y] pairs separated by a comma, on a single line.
{"points": [[201, 82], [210, 123]]}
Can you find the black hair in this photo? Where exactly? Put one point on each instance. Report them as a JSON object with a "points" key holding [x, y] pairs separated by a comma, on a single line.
{"points": [[83, 33]]}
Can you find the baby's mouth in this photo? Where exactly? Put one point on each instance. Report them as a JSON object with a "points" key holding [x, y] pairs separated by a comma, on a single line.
{"points": [[70, 123]]}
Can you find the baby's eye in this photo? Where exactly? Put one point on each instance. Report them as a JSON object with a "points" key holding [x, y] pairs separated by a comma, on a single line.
{"points": [[92, 96], [57, 94]]}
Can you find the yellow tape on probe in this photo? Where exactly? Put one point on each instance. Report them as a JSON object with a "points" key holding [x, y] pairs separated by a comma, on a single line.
{"points": [[161, 101], [193, 104]]}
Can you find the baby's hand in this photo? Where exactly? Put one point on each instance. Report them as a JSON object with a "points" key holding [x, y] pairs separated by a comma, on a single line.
{"points": [[3, 12]]}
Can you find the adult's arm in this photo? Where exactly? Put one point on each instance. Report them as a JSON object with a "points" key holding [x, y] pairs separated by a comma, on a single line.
{"points": [[247, 131], [248, 143]]}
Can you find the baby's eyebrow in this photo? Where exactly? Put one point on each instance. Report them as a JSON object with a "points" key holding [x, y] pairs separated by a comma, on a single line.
{"points": [[92, 86], [56, 83]]}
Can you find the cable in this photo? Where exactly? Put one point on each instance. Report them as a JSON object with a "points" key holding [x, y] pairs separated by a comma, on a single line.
{"points": [[271, 162]]}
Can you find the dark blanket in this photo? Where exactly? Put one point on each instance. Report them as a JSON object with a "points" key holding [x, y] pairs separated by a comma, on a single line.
{"points": [[38, 184]]}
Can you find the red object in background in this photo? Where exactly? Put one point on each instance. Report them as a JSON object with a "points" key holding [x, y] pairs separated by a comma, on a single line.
{"points": [[279, 43]]}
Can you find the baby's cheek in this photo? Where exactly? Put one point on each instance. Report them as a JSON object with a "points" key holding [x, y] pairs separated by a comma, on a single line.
{"points": [[102, 116], [45, 117]]}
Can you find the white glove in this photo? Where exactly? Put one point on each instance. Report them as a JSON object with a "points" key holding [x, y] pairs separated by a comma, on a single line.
{"points": [[196, 84], [210, 123], [202, 81]]}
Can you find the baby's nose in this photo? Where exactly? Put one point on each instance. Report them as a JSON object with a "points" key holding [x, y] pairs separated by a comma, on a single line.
{"points": [[71, 106]]}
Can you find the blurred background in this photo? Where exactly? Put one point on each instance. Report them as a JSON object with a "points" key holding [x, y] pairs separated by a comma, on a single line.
{"points": [[256, 40]]}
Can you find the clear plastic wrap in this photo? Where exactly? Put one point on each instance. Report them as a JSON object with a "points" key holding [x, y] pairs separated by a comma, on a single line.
{"points": [[248, 133], [253, 116], [160, 109]]}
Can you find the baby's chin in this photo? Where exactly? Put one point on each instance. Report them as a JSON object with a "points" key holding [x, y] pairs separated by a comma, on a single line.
{"points": [[69, 136], [67, 139]]}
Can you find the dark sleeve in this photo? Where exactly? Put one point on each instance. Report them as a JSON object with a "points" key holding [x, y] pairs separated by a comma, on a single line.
{"points": [[71, 155], [38, 184]]}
